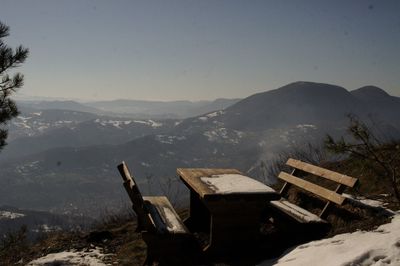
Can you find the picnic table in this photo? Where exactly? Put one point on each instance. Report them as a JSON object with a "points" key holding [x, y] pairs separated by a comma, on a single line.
{"points": [[226, 204]]}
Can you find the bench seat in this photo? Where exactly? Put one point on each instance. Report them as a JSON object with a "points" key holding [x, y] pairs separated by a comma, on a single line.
{"points": [[164, 216], [299, 214]]}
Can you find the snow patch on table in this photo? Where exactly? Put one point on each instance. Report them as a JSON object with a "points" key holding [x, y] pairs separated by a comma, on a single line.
{"points": [[378, 247], [92, 257], [235, 183]]}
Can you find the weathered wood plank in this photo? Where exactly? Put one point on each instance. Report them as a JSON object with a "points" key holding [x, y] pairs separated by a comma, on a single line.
{"points": [[191, 177], [325, 173], [164, 215], [134, 195], [313, 188], [299, 214]]}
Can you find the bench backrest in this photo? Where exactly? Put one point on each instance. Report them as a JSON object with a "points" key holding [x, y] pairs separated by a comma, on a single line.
{"points": [[335, 196], [322, 172], [138, 205]]}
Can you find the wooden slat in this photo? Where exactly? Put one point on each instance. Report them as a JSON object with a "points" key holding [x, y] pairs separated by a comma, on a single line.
{"points": [[313, 188], [328, 174]]}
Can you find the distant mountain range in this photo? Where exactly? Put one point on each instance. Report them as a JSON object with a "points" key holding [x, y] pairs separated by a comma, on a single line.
{"points": [[37, 131], [135, 108], [242, 135]]}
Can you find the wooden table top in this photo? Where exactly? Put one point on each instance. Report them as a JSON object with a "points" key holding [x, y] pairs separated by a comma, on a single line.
{"points": [[226, 183]]}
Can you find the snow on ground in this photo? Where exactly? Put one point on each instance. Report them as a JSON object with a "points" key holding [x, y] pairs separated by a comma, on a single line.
{"points": [[151, 123], [10, 215], [361, 248], [120, 123], [223, 134], [145, 164], [365, 201], [115, 123], [168, 139], [92, 257], [210, 115]]}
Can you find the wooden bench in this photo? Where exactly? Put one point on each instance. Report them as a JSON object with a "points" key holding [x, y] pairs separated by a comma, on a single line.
{"points": [[162, 229], [330, 196]]}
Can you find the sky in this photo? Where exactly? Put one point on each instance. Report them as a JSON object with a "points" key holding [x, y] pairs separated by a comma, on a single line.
{"points": [[201, 50]]}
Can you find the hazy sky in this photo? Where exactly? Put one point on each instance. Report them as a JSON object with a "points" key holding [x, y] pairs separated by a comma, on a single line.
{"points": [[167, 50]]}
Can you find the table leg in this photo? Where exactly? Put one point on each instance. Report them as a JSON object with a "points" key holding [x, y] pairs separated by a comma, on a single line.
{"points": [[199, 216], [234, 228]]}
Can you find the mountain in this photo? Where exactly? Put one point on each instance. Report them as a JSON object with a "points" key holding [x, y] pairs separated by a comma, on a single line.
{"points": [[255, 129], [160, 109], [32, 122], [131, 108], [296, 103], [380, 105], [35, 131], [58, 105]]}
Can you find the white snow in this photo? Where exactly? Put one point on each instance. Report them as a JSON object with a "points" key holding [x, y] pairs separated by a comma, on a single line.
{"points": [[119, 123], [22, 124], [369, 202], [215, 114], [155, 124], [235, 183], [378, 247], [223, 134], [296, 210], [24, 118], [305, 126], [262, 143], [145, 164], [151, 123], [92, 257], [10, 215], [47, 228], [114, 123], [210, 115], [173, 221], [168, 139]]}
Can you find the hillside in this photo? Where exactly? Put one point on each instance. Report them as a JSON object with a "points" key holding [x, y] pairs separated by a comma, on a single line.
{"points": [[38, 131], [252, 131], [293, 104]]}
